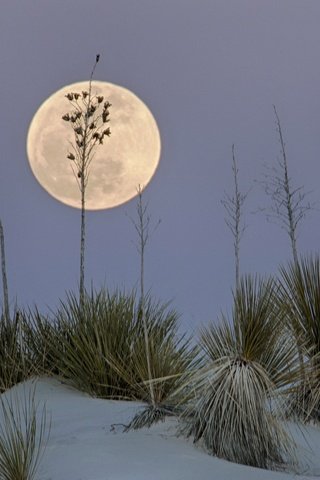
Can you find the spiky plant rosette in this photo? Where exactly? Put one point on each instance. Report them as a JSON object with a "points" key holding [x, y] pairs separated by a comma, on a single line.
{"points": [[235, 412], [299, 297]]}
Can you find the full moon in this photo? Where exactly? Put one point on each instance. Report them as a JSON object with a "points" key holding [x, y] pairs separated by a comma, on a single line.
{"points": [[124, 162]]}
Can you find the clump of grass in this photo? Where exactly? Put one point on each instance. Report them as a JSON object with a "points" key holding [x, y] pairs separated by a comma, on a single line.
{"points": [[23, 436], [249, 360], [300, 299]]}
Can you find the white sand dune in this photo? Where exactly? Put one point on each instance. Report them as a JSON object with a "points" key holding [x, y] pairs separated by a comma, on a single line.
{"points": [[87, 443]]}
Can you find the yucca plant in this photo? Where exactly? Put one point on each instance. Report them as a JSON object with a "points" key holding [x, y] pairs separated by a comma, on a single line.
{"points": [[171, 359], [24, 432], [300, 299], [249, 360]]}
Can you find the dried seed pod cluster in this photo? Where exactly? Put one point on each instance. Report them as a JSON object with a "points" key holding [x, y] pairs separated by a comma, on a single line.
{"points": [[87, 116]]}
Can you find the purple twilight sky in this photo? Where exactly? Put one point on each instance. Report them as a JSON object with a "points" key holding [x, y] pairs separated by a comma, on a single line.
{"points": [[210, 71]]}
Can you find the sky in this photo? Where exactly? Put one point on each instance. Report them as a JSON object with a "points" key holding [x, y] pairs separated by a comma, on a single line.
{"points": [[210, 71]]}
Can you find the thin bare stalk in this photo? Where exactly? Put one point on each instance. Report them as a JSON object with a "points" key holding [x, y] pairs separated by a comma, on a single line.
{"points": [[142, 226], [288, 205], [82, 245], [143, 234], [233, 205], [287, 192], [4, 276]]}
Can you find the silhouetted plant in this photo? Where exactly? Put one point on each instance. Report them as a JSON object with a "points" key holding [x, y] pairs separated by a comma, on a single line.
{"points": [[88, 117]]}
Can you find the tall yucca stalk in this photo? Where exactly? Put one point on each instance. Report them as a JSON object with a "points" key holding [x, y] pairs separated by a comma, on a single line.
{"points": [[142, 227], [249, 360], [233, 205], [6, 309], [288, 203], [88, 115], [300, 299]]}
